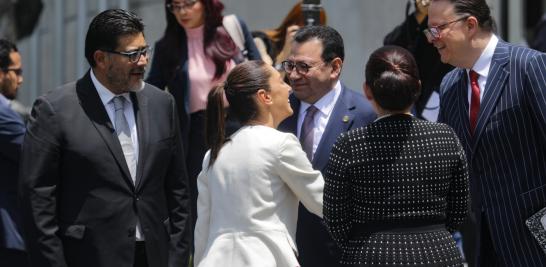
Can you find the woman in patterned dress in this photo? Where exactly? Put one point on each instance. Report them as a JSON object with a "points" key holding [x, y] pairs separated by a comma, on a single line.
{"points": [[395, 189]]}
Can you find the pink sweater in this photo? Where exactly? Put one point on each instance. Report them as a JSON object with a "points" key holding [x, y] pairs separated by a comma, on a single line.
{"points": [[201, 70]]}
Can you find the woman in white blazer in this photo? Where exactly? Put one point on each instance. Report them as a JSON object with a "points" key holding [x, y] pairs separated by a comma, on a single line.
{"points": [[251, 182]]}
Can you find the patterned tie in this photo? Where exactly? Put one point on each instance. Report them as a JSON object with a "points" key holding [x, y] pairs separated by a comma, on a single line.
{"points": [[474, 101], [124, 135], [307, 131]]}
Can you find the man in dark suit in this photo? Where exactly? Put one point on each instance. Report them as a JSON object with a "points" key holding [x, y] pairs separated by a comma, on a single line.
{"points": [[103, 180], [496, 101], [12, 130], [323, 108]]}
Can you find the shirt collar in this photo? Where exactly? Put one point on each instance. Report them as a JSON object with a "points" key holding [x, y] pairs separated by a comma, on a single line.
{"points": [[106, 95], [326, 103], [484, 61]]}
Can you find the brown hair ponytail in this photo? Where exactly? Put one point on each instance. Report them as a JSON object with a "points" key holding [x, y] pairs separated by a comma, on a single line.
{"points": [[215, 122], [240, 88]]}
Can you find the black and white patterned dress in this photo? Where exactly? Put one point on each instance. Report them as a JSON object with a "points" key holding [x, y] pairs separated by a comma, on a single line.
{"points": [[394, 191]]}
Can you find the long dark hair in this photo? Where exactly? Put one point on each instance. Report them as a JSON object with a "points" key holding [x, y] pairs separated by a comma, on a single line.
{"points": [[217, 43], [240, 89], [393, 77]]}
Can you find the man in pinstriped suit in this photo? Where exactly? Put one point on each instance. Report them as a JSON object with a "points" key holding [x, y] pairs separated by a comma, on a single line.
{"points": [[496, 101]]}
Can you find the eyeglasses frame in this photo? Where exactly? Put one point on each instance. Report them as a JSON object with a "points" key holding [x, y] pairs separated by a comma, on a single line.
{"points": [[17, 71], [434, 32], [185, 6], [146, 51], [295, 64]]}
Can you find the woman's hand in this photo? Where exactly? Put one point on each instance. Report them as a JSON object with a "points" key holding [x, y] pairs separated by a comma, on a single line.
{"points": [[290, 32], [421, 10]]}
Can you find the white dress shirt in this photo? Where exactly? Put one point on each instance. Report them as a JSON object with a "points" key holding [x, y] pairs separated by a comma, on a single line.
{"points": [[325, 106], [106, 97], [481, 67]]}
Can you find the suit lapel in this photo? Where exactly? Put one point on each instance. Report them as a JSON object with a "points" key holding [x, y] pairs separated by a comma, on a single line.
{"points": [[290, 124], [493, 88], [463, 108], [93, 107], [340, 121], [140, 106]]}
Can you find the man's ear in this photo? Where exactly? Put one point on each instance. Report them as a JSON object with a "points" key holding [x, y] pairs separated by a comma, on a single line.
{"points": [[472, 24], [367, 91], [337, 64], [100, 58], [263, 96]]}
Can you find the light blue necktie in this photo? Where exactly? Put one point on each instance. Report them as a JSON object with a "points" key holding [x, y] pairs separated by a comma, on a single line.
{"points": [[124, 135]]}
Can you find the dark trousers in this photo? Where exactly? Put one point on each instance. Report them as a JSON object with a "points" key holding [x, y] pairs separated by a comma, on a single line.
{"points": [[487, 257], [13, 258], [141, 260], [194, 158]]}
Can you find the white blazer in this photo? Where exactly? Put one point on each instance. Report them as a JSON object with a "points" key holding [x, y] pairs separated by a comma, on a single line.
{"points": [[247, 206]]}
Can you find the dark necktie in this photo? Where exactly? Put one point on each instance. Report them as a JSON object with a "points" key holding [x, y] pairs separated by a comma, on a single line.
{"points": [[307, 131], [124, 135], [474, 101]]}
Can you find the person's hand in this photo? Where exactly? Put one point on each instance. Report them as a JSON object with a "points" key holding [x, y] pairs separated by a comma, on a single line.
{"points": [[290, 32], [289, 37], [421, 10], [421, 6]]}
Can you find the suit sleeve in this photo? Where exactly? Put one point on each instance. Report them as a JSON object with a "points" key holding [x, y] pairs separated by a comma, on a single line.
{"points": [[39, 181], [178, 199], [203, 211], [458, 195], [536, 81], [337, 193], [296, 171], [12, 131]]}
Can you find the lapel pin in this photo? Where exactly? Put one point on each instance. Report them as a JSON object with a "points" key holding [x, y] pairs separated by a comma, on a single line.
{"points": [[345, 119]]}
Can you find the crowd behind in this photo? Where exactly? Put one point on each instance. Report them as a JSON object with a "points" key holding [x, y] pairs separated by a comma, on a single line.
{"points": [[245, 148]]}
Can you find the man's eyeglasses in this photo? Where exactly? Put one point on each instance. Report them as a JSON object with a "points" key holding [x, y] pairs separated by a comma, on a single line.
{"points": [[174, 8], [433, 33], [300, 67], [18, 71], [134, 56]]}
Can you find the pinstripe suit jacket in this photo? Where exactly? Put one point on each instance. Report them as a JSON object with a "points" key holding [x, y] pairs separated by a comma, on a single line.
{"points": [[507, 154]]}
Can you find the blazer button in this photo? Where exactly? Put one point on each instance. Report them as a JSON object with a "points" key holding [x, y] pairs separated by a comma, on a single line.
{"points": [[131, 232]]}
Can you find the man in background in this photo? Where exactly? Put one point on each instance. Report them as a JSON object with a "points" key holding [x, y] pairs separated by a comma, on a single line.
{"points": [[12, 130], [410, 35]]}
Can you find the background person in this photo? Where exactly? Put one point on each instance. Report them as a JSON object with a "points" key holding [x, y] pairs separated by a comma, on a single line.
{"points": [[277, 41], [410, 35], [194, 55], [395, 189], [252, 181], [12, 131]]}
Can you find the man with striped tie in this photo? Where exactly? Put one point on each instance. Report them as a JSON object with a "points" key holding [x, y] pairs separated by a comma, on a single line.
{"points": [[496, 101]]}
